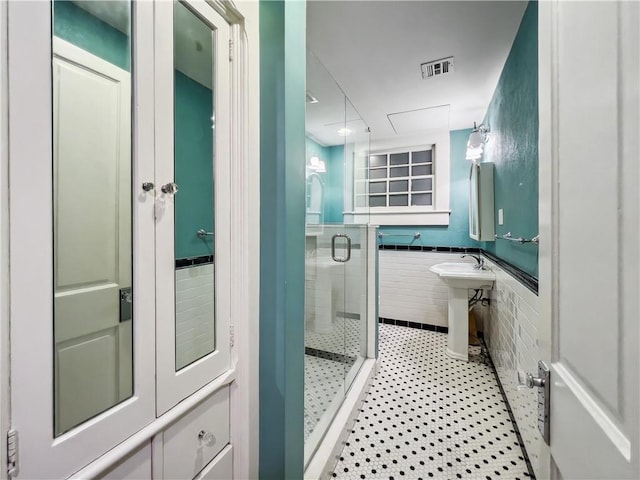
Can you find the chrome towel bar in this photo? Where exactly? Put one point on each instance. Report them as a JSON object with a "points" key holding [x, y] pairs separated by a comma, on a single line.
{"points": [[202, 234], [414, 235], [511, 238]]}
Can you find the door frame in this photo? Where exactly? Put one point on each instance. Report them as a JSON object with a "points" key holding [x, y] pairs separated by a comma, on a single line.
{"points": [[5, 407], [30, 150]]}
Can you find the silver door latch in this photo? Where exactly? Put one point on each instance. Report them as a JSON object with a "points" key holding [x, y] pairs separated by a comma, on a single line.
{"points": [[543, 384]]}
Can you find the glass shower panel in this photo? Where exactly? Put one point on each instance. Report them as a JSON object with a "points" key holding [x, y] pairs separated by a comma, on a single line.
{"points": [[354, 279], [337, 147], [324, 337]]}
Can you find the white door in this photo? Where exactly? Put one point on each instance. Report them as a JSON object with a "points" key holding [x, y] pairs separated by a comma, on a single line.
{"points": [[70, 139], [92, 248], [589, 257], [193, 225]]}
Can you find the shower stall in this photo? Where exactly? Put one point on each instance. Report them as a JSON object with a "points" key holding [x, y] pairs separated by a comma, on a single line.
{"points": [[340, 267]]}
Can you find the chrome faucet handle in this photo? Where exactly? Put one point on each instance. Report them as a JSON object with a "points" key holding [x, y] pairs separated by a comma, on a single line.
{"points": [[479, 261]]}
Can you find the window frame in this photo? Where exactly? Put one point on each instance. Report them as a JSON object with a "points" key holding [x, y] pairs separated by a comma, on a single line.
{"points": [[435, 214]]}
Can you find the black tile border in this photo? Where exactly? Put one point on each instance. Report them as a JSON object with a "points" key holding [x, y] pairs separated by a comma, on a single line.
{"points": [[193, 261], [417, 325], [511, 416], [429, 248], [336, 357], [523, 277]]}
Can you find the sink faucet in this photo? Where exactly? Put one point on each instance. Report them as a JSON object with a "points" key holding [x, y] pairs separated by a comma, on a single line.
{"points": [[479, 261]]}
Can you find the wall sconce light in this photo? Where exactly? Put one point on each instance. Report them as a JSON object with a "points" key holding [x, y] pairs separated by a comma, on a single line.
{"points": [[479, 136], [317, 165]]}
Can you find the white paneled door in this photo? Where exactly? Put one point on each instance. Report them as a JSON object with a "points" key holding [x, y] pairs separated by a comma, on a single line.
{"points": [[589, 258]]}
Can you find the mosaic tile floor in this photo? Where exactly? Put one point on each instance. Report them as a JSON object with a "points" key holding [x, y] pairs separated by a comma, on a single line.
{"points": [[344, 339], [429, 416], [323, 379], [332, 355]]}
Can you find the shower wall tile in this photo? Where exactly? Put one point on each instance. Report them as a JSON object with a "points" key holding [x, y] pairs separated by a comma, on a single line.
{"points": [[511, 334], [194, 313]]}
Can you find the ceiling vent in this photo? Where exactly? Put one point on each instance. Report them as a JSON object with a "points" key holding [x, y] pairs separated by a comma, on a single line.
{"points": [[444, 66]]}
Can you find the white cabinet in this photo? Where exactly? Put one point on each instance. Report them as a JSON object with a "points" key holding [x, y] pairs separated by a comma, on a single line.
{"points": [[193, 441], [135, 466], [112, 202], [481, 209], [221, 468]]}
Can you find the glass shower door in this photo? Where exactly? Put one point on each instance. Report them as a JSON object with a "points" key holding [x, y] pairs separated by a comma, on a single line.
{"points": [[335, 270]]}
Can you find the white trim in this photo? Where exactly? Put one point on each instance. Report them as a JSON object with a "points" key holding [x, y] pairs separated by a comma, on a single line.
{"points": [[5, 410], [399, 218], [172, 386], [372, 291], [245, 181], [30, 149], [135, 441], [325, 457], [598, 414]]}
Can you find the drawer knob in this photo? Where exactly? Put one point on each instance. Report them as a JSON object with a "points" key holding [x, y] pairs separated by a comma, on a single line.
{"points": [[206, 438]]}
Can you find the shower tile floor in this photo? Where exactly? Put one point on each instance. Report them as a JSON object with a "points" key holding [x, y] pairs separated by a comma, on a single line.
{"points": [[429, 416], [324, 377], [343, 339]]}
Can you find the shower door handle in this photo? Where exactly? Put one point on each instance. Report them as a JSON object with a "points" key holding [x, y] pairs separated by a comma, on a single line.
{"points": [[333, 248]]}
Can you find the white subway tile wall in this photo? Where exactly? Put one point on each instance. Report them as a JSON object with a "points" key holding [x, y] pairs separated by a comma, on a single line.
{"points": [[195, 325], [511, 334], [409, 291]]}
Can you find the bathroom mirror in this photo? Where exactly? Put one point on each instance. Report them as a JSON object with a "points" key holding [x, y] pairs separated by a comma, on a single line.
{"points": [[194, 157], [93, 297]]}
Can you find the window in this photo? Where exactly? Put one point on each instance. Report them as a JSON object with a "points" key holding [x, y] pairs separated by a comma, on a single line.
{"points": [[401, 179], [399, 184]]}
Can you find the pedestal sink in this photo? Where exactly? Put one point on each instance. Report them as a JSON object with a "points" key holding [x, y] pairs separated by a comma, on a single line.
{"points": [[460, 277]]}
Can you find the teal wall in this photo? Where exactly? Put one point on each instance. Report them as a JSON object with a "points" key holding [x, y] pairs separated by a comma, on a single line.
{"points": [[193, 139], [513, 146], [334, 190], [282, 238], [193, 149], [456, 234], [333, 178], [75, 25]]}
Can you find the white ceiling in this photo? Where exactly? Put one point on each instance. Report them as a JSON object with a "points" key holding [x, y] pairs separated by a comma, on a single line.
{"points": [[373, 50]]}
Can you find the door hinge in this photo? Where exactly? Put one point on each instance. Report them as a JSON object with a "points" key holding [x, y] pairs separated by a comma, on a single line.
{"points": [[231, 336], [230, 50], [12, 453]]}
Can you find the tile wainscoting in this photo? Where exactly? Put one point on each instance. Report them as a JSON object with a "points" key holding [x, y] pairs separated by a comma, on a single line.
{"points": [[410, 292], [511, 334]]}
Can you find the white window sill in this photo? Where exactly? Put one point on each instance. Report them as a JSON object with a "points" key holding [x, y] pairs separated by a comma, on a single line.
{"points": [[399, 216]]}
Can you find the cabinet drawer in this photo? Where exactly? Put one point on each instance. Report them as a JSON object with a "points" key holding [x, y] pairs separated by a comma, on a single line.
{"points": [[193, 441], [220, 468]]}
